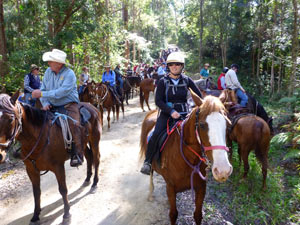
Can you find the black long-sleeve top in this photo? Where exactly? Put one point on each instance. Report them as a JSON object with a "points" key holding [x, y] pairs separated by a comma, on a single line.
{"points": [[180, 95]]}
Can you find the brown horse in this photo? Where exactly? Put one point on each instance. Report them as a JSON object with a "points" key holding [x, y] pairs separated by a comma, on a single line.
{"points": [[146, 86], [88, 94], [251, 133], [106, 100], [202, 131], [41, 147]]}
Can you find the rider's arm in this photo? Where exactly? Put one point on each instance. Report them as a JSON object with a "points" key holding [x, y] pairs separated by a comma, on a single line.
{"points": [[193, 86], [160, 98], [234, 79], [26, 84], [222, 79]]}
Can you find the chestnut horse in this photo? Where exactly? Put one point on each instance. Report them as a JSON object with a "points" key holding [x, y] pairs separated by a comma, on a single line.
{"points": [[251, 133], [200, 139], [41, 147], [88, 94], [146, 86]]}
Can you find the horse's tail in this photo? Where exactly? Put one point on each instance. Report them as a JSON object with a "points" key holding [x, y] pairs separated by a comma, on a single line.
{"points": [[146, 128], [141, 97], [262, 139]]}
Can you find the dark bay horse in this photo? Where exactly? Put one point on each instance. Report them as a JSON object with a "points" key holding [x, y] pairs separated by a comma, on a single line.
{"points": [[88, 94], [41, 147], [251, 133], [146, 86], [106, 100], [200, 138]]}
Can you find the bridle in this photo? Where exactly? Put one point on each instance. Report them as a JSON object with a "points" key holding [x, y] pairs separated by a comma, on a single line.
{"points": [[102, 99], [202, 157], [17, 127]]}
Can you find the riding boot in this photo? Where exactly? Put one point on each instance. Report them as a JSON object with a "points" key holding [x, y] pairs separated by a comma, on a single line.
{"points": [[151, 150], [76, 131]]}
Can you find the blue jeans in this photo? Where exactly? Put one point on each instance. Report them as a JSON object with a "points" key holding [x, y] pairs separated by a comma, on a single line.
{"points": [[29, 100], [121, 82], [242, 96], [80, 89]]}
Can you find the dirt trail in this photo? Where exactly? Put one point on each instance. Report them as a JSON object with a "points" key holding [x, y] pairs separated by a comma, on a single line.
{"points": [[121, 197]]}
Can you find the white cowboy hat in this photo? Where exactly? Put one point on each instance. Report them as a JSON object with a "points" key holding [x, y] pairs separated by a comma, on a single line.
{"points": [[55, 55], [107, 66]]}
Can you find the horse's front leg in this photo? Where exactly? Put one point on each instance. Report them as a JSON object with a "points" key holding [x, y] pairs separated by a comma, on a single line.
{"points": [[35, 180], [108, 117], [172, 200], [200, 194], [62, 187]]}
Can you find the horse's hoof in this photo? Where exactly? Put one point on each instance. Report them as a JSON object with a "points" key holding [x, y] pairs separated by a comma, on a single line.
{"points": [[67, 216], [93, 189], [36, 222], [150, 198], [86, 183]]}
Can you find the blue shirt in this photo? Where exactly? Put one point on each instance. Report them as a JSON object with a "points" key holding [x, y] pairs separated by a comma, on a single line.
{"points": [[110, 77], [161, 71], [59, 89], [204, 73]]}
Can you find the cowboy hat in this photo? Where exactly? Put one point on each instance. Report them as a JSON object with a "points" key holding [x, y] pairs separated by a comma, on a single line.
{"points": [[55, 55], [107, 66]]}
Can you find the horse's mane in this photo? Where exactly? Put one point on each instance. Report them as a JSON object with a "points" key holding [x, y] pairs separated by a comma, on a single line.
{"points": [[211, 104], [5, 104], [35, 115]]}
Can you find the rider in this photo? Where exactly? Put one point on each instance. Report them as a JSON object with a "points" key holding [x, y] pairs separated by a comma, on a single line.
{"points": [[59, 92], [233, 83], [83, 79], [119, 78], [221, 79], [31, 82], [204, 73], [161, 70], [173, 105], [109, 77]]}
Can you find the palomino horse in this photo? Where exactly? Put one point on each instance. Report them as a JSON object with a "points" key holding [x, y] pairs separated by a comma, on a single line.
{"points": [[146, 86], [106, 100], [41, 149], [200, 138], [251, 133]]}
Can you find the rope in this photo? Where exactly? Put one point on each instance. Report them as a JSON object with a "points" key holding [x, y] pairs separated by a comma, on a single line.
{"points": [[66, 132]]}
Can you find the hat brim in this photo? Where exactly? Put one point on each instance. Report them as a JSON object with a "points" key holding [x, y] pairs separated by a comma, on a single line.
{"points": [[47, 56]]}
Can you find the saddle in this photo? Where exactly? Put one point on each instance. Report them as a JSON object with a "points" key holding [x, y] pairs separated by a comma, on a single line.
{"points": [[163, 139], [235, 113]]}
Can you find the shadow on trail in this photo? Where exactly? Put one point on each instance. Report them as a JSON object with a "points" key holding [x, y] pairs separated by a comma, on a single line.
{"points": [[52, 207]]}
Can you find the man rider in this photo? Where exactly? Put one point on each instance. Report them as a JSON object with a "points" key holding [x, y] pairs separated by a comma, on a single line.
{"points": [[59, 92], [233, 83], [31, 82], [171, 99], [109, 77]]}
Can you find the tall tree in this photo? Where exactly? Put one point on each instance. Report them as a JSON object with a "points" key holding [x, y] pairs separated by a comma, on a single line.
{"points": [[3, 47]]}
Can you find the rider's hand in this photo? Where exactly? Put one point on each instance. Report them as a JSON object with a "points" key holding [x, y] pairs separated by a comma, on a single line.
{"points": [[36, 93], [47, 107], [243, 90], [175, 115]]}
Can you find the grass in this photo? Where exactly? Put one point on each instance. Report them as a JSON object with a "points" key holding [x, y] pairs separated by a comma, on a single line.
{"points": [[249, 204]]}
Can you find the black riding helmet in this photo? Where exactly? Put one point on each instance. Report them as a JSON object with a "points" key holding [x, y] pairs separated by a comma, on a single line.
{"points": [[234, 66], [225, 69]]}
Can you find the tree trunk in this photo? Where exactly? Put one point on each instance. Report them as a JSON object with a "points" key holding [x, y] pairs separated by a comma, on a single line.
{"points": [[125, 20], [3, 45], [201, 35], [295, 45]]}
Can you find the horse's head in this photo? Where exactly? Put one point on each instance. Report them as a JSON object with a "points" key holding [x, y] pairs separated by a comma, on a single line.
{"points": [[211, 123], [10, 121]]}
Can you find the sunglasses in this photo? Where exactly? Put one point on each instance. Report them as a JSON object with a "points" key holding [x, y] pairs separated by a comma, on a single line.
{"points": [[174, 64]]}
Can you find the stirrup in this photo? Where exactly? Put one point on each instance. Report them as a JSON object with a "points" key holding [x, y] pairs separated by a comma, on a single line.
{"points": [[75, 161], [146, 169]]}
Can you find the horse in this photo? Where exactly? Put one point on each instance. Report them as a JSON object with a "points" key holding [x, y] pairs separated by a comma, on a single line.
{"points": [[199, 139], [251, 132], [229, 97], [146, 86], [106, 100], [88, 94], [134, 82], [41, 147]]}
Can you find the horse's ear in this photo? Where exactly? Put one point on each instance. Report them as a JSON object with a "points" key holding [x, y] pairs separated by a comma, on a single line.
{"points": [[196, 98], [15, 97]]}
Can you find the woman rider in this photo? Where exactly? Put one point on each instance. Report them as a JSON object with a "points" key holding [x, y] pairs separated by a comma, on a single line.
{"points": [[171, 99]]}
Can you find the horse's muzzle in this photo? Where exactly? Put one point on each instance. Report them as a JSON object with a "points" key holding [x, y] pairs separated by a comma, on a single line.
{"points": [[221, 175]]}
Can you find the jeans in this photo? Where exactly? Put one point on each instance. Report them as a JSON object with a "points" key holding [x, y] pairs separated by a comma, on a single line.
{"points": [[80, 89], [242, 96], [120, 81], [29, 100]]}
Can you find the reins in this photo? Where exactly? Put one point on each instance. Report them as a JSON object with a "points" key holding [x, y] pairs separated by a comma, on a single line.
{"points": [[101, 100], [203, 158]]}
